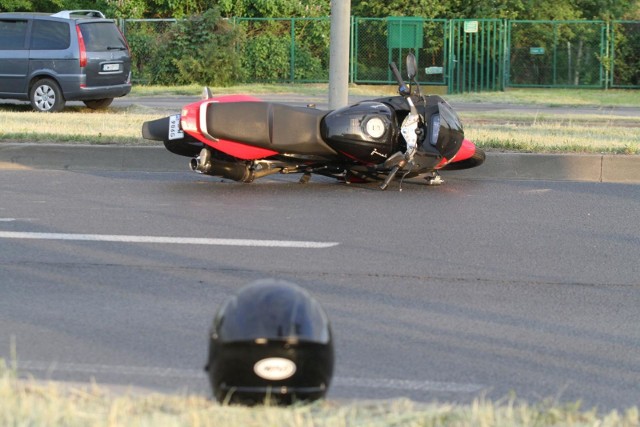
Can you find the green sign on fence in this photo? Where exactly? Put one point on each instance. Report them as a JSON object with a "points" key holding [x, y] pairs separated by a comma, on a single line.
{"points": [[470, 26], [536, 50], [405, 33]]}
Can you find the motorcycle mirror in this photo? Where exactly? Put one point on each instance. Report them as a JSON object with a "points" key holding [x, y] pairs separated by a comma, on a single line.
{"points": [[412, 66]]}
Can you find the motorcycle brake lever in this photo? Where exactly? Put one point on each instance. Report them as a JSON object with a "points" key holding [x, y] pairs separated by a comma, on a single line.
{"points": [[394, 160], [392, 174]]}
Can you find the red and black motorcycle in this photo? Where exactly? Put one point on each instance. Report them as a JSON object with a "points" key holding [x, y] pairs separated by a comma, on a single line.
{"points": [[241, 138]]}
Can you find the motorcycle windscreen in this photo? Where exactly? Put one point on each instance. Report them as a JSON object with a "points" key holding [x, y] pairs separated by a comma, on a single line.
{"points": [[450, 133]]}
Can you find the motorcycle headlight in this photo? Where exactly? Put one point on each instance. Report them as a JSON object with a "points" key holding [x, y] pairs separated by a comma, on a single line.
{"points": [[435, 129]]}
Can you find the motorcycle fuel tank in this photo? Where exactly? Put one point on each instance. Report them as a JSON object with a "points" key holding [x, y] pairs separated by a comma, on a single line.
{"points": [[366, 131]]}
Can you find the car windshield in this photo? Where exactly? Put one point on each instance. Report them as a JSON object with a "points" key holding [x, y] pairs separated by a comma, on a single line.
{"points": [[102, 37]]}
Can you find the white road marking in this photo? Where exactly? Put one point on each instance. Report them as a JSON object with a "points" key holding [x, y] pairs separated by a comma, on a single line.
{"points": [[169, 240], [349, 382]]}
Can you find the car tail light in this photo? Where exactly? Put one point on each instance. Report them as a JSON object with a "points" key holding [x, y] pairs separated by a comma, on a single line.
{"points": [[126, 44], [83, 49]]}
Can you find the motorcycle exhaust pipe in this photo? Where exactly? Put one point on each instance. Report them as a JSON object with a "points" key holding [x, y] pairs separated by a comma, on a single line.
{"points": [[236, 171], [202, 163]]}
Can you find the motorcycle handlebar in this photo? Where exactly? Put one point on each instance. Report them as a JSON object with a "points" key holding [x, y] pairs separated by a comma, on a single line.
{"points": [[402, 88]]}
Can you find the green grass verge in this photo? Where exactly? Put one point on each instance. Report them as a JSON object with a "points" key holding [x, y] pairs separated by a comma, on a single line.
{"points": [[557, 97], [494, 131], [547, 97], [547, 133], [35, 404]]}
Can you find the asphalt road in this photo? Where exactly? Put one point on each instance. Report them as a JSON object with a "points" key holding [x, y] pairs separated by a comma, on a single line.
{"points": [[472, 288]]}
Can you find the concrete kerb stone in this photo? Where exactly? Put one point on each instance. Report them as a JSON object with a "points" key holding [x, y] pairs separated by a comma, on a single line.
{"points": [[624, 169], [521, 166], [89, 157]]}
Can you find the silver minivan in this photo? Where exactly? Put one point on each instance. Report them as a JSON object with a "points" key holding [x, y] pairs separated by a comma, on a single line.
{"points": [[68, 56]]}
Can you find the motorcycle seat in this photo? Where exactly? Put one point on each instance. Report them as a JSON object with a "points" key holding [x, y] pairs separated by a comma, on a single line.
{"points": [[269, 125]]}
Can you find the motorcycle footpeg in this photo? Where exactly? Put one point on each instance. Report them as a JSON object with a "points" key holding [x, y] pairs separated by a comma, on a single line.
{"points": [[434, 179], [305, 178]]}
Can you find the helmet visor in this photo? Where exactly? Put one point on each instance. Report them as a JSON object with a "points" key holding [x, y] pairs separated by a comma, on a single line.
{"points": [[272, 310]]}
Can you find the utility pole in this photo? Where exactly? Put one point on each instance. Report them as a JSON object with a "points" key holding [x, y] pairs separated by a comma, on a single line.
{"points": [[339, 53]]}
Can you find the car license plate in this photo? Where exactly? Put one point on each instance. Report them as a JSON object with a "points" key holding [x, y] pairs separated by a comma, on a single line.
{"points": [[174, 127], [111, 67]]}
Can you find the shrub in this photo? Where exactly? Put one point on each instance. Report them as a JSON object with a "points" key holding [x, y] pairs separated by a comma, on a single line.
{"points": [[199, 50]]}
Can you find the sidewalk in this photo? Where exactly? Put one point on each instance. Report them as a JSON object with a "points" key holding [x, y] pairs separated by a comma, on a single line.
{"points": [[525, 166]]}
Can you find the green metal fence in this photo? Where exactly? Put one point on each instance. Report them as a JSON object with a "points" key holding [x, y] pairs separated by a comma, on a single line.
{"points": [[297, 48], [475, 55], [469, 55], [377, 42], [624, 48], [557, 53], [141, 34]]}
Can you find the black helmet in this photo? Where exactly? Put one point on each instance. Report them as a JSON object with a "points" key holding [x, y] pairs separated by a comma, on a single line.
{"points": [[270, 341]]}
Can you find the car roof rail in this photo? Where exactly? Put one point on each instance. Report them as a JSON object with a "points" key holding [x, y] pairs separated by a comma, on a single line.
{"points": [[79, 13]]}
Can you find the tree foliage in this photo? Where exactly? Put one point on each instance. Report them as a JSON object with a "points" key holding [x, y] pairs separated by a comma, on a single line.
{"points": [[199, 50], [507, 9], [502, 9], [208, 45]]}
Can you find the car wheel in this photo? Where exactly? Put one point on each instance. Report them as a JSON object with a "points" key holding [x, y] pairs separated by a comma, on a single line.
{"points": [[46, 96], [98, 104]]}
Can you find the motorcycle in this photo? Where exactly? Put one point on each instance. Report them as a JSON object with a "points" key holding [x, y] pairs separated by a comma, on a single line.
{"points": [[242, 138]]}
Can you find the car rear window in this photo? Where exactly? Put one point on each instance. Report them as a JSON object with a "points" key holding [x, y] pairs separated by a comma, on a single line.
{"points": [[12, 34], [102, 37], [50, 35]]}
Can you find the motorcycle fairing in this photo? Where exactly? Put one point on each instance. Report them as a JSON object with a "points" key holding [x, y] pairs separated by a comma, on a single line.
{"points": [[192, 123], [450, 138], [467, 157]]}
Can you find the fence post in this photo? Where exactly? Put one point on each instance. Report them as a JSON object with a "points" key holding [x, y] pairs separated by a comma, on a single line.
{"points": [[292, 61], [605, 42], [352, 49]]}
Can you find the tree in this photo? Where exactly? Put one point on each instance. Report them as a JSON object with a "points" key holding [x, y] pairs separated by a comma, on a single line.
{"points": [[384, 8], [274, 8], [49, 5], [605, 9], [501, 9], [131, 9], [15, 5]]}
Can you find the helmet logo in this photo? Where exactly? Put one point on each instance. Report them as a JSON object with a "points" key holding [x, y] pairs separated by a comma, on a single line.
{"points": [[274, 368]]}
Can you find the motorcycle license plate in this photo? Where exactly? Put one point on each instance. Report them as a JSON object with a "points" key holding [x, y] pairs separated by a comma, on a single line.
{"points": [[174, 127]]}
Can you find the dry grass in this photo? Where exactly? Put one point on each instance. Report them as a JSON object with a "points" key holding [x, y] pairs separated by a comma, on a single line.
{"points": [[547, 133], [114, 126], [556, 97], [498, 130], [28, 403]]}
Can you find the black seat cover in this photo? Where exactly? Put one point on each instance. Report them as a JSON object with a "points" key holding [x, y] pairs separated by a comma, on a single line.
{"points": [[269, 125]]}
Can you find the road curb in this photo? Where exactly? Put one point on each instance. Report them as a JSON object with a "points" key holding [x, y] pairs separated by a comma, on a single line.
{"points": [[557, 167], [524, 166], [90, 157]]}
